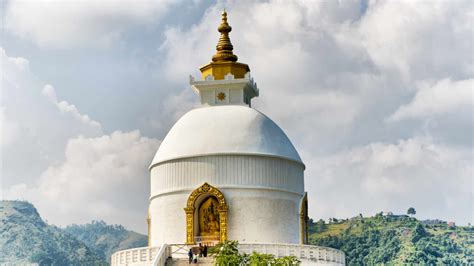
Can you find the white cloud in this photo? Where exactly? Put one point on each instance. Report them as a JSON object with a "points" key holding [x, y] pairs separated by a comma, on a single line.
{"points": [[295, 62], [60, 24], [8, 129], [445, 96], [58, 158], [330, 73], [65, 107], [333, 64], [101, 178], [419, 39], [35, 125], [433, 178]]}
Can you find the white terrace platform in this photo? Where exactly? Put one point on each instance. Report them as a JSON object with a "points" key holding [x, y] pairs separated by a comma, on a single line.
{"points": [[157, 256]]}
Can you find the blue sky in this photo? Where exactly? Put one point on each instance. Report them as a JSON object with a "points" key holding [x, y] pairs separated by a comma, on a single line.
{"points": [[375, 95]]}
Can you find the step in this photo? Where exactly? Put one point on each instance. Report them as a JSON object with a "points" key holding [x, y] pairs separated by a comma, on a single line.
{"points": [[209, 261]]}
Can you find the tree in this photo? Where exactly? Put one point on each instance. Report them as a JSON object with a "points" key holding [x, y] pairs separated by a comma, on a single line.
{"points": [[411, 211], [418, 233], [320, 226]]}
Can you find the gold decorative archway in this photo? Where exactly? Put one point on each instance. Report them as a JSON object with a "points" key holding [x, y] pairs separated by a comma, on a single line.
{"points": [[205, 189], [304, 219]]}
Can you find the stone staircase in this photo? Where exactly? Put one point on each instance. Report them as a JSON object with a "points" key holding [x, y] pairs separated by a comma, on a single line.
{"points": [[209, 261]]}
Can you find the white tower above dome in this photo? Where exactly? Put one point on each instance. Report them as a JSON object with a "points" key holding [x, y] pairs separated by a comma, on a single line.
{"points": [[227, 91]]}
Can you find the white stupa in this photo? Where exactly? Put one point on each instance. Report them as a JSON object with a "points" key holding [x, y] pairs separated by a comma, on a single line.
{"points": [[225, 171]]}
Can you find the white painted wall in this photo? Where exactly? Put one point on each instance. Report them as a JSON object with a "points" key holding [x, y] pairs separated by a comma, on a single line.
{"points": [[263, 194], [236, 90], [228, 170], [167, 223], [254, 216]]}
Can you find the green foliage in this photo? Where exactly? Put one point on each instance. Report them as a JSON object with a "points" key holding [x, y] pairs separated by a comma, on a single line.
{"points": [[228, 248], [286, 261], [411, 211], [419, 233], [231, 259], [404, 240], [372, 247], [317, 227], [257, 259], [25, 238], [228, 254], [439, 249], [214, 250]]}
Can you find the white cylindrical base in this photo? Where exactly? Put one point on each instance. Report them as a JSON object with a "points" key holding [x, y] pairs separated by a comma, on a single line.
{"points": [[263, 195], [254, 216]]}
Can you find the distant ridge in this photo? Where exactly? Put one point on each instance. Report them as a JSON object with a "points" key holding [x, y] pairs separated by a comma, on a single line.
{"points": [[382, 239], [396, 240], [26, 238], [105, 239]]}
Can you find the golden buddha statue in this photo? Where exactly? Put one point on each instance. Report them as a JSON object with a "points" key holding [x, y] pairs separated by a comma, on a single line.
{"points": [[209, 218]]}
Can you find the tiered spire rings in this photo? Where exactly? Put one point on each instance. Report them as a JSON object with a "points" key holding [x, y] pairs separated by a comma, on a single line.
{"points": [[224, 46]]}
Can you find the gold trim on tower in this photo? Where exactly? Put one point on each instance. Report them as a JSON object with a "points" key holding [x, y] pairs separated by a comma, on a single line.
{"points": [[304, 219], [205, 189]]}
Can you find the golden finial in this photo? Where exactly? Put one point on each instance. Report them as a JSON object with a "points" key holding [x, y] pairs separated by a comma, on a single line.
{"points": [[224, 62], [224, 46]]}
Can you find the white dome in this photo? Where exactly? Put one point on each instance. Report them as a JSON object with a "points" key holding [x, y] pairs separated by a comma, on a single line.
{"points": [[229, 129]]}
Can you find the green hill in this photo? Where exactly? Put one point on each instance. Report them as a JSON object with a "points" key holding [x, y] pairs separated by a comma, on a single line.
{"points": [[105, 239], [395, 240], [26, 238]]}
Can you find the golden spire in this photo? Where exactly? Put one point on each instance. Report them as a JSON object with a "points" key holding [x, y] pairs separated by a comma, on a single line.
{"points": [[224, 46], [224, 62]]}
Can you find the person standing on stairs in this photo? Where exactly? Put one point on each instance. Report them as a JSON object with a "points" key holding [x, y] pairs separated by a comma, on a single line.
{"points": [[190, 255], [195, 258], [201, 250]]}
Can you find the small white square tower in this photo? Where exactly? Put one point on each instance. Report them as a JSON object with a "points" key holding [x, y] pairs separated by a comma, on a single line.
{"points": [[227, 91]]}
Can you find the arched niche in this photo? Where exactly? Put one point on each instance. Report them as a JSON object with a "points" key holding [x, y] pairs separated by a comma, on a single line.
{"points": [[192, 207]]}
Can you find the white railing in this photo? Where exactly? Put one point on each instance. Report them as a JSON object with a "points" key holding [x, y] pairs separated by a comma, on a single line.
{"points": [[157, 256], [207, 240], [162, 256], [179, 250], [302, 252], [144, 255]]}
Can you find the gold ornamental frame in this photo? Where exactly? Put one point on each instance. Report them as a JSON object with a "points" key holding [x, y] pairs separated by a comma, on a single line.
{"points": [[304, 219], [205, 189]]}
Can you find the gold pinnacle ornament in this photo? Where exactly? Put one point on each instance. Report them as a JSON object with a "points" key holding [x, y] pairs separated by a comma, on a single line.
{"points": [[224, 46], [224, 62]]}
